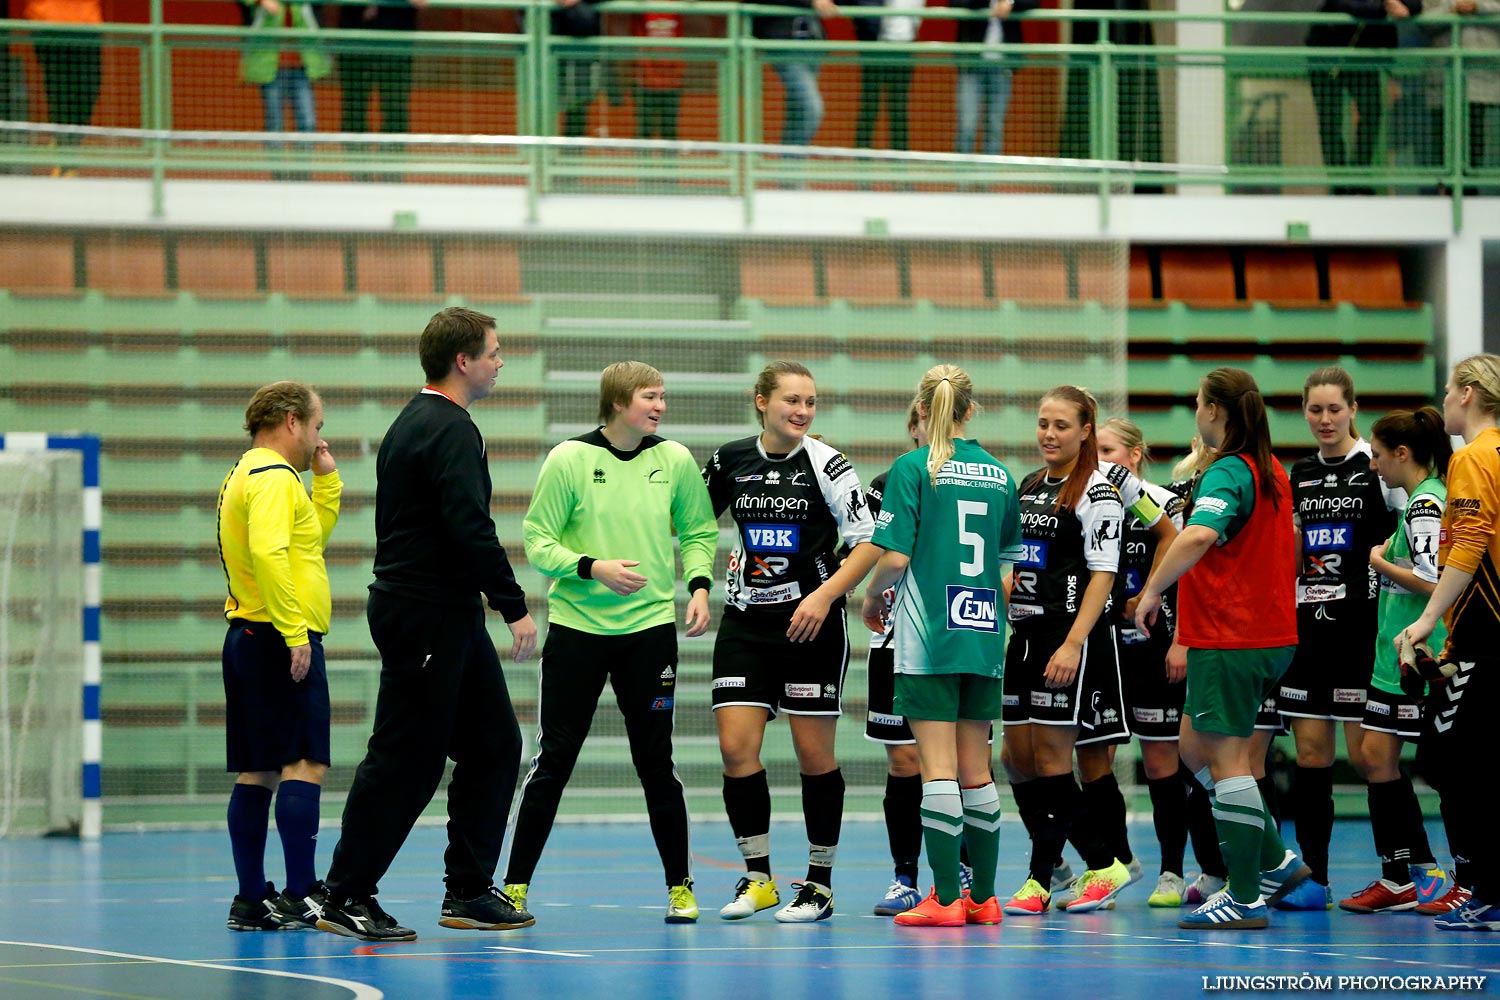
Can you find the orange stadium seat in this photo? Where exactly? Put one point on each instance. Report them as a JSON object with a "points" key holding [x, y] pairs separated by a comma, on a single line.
{"points": [[216, 265], [1199, 276], [1282, 276], [1031, 274], [126, 265], [1368, 278], [482, 269], [778, 275], [871, 278], [306, 267], [947, 276], [394, 267], [1141, 287], [37, 262]]}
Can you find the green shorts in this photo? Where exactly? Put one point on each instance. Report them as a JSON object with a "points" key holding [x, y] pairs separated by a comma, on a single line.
{"points": [[1225, 687], [948, 697]]}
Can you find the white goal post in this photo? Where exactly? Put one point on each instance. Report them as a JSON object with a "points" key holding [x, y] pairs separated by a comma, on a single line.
{"points": [[50, 662]]}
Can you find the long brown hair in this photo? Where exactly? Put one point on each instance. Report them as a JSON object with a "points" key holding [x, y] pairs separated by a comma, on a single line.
{"points": [[1422, 432], [1246, 430], [1088, 449], [1335, 376]]}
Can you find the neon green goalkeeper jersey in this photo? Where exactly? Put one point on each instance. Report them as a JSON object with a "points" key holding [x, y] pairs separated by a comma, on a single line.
{"points": [[592, 502]]}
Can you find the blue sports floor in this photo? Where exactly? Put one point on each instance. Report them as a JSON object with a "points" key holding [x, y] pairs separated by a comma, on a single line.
{"points": [[142, 916]]}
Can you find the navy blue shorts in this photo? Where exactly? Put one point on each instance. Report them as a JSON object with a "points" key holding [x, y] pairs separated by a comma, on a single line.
{"points": [[271, 721]]}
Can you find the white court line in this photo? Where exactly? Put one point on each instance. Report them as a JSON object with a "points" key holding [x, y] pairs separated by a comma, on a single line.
{"points": [[536, 951], [360, 990]]}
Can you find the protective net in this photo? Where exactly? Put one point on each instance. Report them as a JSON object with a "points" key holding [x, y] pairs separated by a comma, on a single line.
{"points": [[41, 649], [228, 312]]}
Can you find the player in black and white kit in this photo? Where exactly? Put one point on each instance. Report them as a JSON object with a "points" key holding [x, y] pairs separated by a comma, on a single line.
{"points": [[1062, 676], [903, 780], [1153, 670], [1341, 510], [783, 643]]}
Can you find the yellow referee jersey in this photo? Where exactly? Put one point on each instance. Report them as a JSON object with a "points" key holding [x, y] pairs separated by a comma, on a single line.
{"points": [[271, 541]]}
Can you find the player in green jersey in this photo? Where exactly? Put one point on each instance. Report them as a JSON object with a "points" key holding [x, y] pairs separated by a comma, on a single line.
{"points": [[948, 523]]}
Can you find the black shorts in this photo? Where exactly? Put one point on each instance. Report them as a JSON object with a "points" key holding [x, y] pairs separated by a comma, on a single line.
{"points": [[1397, 714], [270, 720], [1153, 707], [756, 664], [882, 724], [1331, 669], [1091, 702]]}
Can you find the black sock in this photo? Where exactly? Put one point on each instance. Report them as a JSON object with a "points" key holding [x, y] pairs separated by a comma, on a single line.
{"points": [[1024, 792], [903, 822], [1107, 839], [1056, 805], [747, 801], [1169, 814], [1200, 822], [249, 815], [1312, 802], [1271, 796], [823, 813]]}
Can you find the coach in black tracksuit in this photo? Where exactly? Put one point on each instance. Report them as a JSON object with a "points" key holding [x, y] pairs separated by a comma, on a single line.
{"points": [[442, 693]]}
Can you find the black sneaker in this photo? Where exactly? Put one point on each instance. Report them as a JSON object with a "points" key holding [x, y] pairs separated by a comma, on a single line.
{"points": [[491, 910], [254, 914], [357, 918], [297, 913]]}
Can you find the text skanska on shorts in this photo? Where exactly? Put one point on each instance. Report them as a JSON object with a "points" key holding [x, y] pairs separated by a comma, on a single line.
{"points": [[1307, 982]]}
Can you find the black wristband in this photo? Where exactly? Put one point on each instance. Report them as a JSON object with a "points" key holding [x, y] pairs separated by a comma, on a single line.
{"points": [[699, 583], [586, 567]]}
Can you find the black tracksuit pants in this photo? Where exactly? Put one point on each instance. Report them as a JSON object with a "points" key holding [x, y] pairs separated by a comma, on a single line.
{"points": [[442, 694], [641, 667]]}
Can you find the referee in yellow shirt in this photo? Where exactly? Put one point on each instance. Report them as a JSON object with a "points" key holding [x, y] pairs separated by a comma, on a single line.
{"points": [[271, 540]]}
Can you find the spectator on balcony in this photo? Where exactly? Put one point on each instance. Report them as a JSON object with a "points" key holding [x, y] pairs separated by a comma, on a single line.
{"points": [[1481, 76], [1138, 117], [798, 74], [577, 78], [885, 78], [659, 77], [985, 83], [72, 64], [284, 75], [1336, 81], [377, 69]]}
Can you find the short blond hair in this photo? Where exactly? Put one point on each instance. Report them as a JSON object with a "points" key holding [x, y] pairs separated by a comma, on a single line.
{"points": [[619, 382]]}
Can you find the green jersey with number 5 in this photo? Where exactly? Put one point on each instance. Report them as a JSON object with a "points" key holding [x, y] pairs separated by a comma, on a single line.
{"points": [[949, 612]]}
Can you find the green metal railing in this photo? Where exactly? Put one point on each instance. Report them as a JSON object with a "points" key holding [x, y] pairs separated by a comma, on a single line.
{"points": [[1424, 141]]}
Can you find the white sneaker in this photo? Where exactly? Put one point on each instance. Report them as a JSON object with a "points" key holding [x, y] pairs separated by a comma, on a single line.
{"points": [[1062, 878], [751, 895], [1169, 890], [1201, 889], [812, 902], [1136, 870]]}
